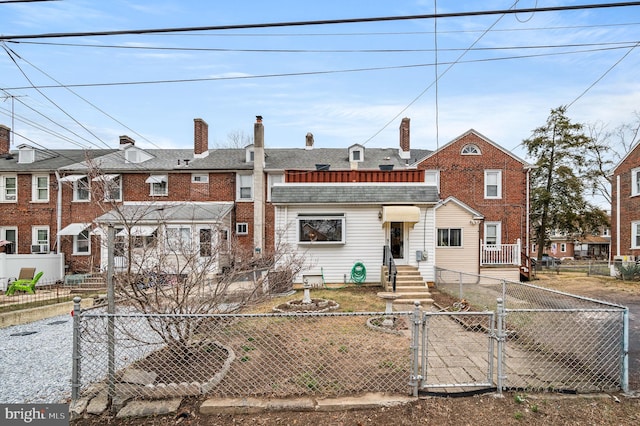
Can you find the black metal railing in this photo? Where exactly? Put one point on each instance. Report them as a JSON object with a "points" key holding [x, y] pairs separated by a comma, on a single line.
{"points": [[392, 271]]}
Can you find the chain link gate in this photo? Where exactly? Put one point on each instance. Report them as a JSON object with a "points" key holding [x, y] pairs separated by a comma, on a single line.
{"points": [[455, 352]]}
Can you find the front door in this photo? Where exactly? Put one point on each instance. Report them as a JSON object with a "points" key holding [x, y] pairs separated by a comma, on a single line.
{"points": [[396, 239]]}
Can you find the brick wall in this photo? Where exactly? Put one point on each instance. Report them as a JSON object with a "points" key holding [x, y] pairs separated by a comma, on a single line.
{"points": [[462, 176], [629, 206]]}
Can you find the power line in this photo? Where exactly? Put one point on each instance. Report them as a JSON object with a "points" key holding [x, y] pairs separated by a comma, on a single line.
{"points": [[217, 49], [325, 21], [307, 73]]}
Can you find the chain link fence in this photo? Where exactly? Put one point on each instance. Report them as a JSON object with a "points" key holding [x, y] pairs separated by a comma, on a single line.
{"points": [[553, 340], [240, 355]]}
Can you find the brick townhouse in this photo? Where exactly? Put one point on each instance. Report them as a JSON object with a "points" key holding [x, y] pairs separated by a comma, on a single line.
{"points": [[374, 197], [625, 207]]}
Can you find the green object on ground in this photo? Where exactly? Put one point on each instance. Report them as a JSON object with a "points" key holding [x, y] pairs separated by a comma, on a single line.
{"points": [[28, 286], [358, 273]]}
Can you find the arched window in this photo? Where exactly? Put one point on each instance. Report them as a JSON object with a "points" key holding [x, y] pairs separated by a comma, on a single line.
{"points": [[470, 149]]}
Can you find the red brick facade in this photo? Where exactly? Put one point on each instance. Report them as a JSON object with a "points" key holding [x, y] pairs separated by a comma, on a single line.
{"points": [[463, 177], [629, 210]]}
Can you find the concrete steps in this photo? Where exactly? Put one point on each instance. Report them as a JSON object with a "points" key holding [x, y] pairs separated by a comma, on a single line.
{"points": [[411, 287]]}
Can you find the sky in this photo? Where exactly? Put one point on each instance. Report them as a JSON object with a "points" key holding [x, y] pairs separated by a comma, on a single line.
{"points": [[345, 83]]}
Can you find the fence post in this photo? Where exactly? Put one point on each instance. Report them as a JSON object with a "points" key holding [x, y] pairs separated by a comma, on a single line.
{"points": [[75, 355], [500, 337], [625, 351], [416, 378], [460, 281]]}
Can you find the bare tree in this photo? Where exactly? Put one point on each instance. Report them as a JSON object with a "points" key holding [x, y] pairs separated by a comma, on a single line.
{"points": [[236, 139]]}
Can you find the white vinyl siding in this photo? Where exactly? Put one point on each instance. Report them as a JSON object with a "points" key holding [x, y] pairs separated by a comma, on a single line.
{"points": [[364, 241], [465, 258]]}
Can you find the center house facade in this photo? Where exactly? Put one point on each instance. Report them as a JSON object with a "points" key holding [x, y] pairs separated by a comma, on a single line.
{"points": [[462, 206]]}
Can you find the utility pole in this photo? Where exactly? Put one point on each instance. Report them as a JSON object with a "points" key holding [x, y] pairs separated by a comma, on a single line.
{"points": [[13, 116]]}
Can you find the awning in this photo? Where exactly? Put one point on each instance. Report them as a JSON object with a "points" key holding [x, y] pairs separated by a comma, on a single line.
{"points": [[138, 231], [400, 214], [74, 229], [156, 179], [104, 178], [72, 178]]}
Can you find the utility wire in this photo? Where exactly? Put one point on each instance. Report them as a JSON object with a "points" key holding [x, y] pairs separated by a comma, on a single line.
{"points": [[307, 73], [325, 21], [214, 49]]}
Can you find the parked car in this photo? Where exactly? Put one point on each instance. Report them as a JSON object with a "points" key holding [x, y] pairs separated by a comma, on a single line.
{"points": [[547, 261]]}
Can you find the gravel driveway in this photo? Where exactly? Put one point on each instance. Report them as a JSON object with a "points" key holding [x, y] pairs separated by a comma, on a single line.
{"points": [[35, 361]]}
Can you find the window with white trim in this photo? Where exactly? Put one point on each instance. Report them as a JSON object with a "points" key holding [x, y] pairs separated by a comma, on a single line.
{"points": [[40, 188], [205, 240], [432, 177], [10, 234], [111, 186], [492, 233], [449, 237], [563, 247], [82, 243], [321, 229], [272, 179], [493, 184], [199, 178], [8, 188], [40, 239], [81, 189], [470, 149], [158, 186], [635, 182], [244, 187], [635, 235], [178, 238], [242, 228]]}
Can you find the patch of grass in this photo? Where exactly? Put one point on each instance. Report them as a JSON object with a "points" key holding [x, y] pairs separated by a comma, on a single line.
{"points": [[518, 415], [343, 349], [309, 381]]}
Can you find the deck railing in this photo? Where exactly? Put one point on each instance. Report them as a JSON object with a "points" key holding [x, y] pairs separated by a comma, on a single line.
{"points": [[500, 254]]}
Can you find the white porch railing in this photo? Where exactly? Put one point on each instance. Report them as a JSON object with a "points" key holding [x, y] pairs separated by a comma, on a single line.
{"points": [[500, 254]]}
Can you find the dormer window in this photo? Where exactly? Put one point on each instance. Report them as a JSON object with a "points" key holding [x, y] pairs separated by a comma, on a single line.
{"points": [[356, 153], [471, 149], [249, 154], [135, 155], [26, 154]]}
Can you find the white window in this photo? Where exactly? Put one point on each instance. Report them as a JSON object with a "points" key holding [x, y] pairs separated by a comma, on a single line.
{"points": [[273, 179], [199, 178], [449, 237], [492, 233], [40, 239], [40, 188], [158, 185], [82, 243], [9, 187], [492, 184], [111, 186], [10, 234], [205, 241], [533, 248], [81, 190], [432, 177], [470, 149], [329, 229], [244, 187], [178, 238], [356, 153], [242, 228], [635, 182], [635, 235], [563, 247]]}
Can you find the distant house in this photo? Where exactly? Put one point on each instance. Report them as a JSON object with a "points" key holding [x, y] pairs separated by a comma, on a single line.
{"points": [[625, 207]]}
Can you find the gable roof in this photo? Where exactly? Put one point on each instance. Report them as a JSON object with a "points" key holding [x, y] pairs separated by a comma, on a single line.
{"points": [[636, 146], [476, 214], [479, 135]]}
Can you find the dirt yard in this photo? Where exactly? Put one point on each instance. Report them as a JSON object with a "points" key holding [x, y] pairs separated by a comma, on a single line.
{"points": [[513, 408]]}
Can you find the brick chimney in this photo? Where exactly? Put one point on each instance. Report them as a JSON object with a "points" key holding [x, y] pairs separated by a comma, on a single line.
{"points": [[405, 139], [5, 139], [309, 141], [258, 188], [126, 140], [200, 138]]}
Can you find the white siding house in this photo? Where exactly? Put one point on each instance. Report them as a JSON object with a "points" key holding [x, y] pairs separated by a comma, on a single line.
{"points": [[337, 225]]}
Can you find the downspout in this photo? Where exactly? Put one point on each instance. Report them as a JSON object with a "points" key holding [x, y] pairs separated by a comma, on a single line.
{"points": [[618, 215], [528, 213], [58, 212]]}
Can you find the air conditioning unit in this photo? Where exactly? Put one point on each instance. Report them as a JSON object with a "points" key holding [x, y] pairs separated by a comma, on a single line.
{"points": [[39, 248]]}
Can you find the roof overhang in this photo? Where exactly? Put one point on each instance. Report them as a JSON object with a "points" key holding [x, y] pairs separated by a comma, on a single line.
{"points": [[74, 228], [409, 214]]}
